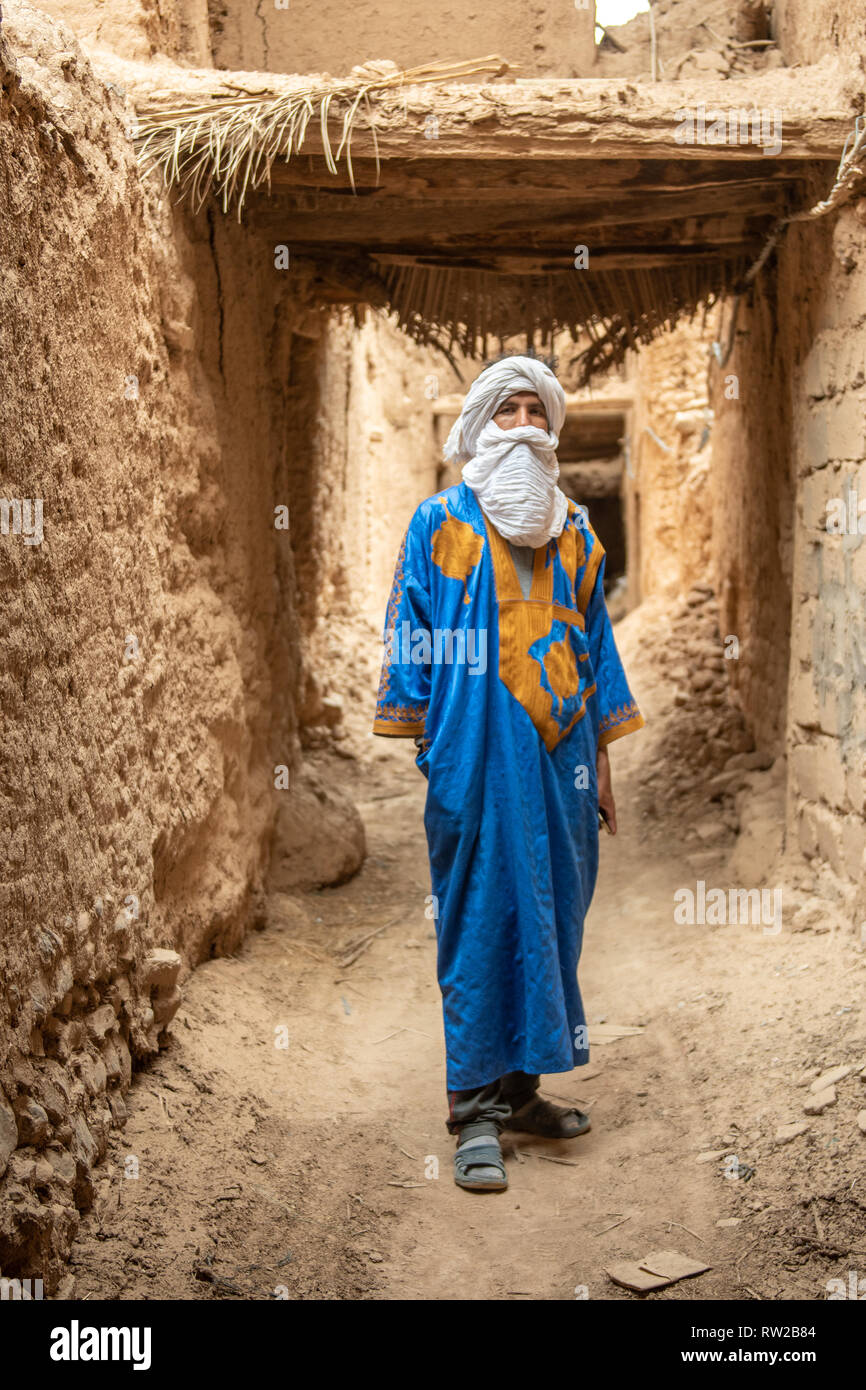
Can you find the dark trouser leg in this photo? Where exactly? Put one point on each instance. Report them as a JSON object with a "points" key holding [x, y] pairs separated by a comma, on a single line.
{"points": [[488, 1109], [480, 1111], [517, 1088]]}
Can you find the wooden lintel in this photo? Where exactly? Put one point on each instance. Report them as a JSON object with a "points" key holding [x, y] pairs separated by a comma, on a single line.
{"points": [[461, 179], [426, 234], [558, 118], [580, 121], [529, 261], [366, 217], [586, 118], [525, 262]]}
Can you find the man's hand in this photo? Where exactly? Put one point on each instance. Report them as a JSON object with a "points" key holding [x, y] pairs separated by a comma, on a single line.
{"points": [[605, 793]]}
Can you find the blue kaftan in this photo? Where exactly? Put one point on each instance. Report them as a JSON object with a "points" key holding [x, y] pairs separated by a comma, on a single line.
{"points": [[513, 697]]}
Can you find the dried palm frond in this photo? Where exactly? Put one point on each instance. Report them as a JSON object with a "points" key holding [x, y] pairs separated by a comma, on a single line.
{"points": [[615, 309], [228, 145]]}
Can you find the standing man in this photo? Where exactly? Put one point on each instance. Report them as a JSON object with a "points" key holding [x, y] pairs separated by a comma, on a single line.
{"points": [[500, 661]]}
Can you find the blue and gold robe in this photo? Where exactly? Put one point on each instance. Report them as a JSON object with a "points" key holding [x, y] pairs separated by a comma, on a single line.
{"points": [[513, 697]]}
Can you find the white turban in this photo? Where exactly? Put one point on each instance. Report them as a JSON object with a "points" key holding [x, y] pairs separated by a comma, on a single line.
{"points": [[513, 472], [494, 385]]}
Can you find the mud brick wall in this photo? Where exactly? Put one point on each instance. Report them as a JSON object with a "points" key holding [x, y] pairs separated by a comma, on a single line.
{"points": [[827, 714], [788, 455], [166, 645], [807, 32], [543, 36], [554, 37], [150, 647], [752, 490], [824, 307]]}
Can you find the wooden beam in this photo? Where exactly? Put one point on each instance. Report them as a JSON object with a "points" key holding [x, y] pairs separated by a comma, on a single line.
{"points": [[582, 118], [592, 118], [631, 259], [366, 216], [461, 179], [425, 232], [586, 118], [523, 261]]}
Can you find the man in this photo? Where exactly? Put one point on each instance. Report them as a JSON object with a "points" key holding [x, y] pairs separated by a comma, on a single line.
{"points": [[500, 661]]}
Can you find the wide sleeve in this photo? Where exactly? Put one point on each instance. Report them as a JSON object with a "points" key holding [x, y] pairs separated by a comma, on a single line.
{"points": [[617, 708], [404, 686]]}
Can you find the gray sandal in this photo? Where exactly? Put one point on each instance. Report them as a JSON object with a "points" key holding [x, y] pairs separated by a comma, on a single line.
{"points": [[479, 1165]]}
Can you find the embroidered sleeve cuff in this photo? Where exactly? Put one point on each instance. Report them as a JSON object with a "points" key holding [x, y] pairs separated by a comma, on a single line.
{"points": [[619, 722], [400, 721]]}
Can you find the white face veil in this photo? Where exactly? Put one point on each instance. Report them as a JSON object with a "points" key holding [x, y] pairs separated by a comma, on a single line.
{"points": [[514, 472]]}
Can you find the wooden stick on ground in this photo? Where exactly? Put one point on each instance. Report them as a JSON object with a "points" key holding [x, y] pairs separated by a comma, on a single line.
{"points": [[612, 1226], [359, 947]]}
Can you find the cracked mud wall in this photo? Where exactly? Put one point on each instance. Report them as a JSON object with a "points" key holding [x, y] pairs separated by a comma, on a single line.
{"points": [[827, 713], [555, 38], [808, 388], [822, 298], [361, 404], [790, 539], [546, 37], [167, 647], [151, 643]]}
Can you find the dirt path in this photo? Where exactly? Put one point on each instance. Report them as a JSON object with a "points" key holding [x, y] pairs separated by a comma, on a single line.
{"points": [[306, 1171]]}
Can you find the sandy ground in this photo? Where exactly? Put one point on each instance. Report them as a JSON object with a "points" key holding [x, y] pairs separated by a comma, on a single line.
{"points": [[322, 1168]]}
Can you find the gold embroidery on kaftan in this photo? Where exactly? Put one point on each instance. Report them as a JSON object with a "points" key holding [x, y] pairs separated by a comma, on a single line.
{"points": [[457, 548], [541, 674], [399, 720], [617, 722]]}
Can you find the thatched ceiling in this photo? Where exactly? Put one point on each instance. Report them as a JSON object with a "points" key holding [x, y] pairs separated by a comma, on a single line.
{"points": [[467, 250], [460, 205]]}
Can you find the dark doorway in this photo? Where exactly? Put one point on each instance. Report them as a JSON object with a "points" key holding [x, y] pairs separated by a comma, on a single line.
{"points": [[591, 465]]}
